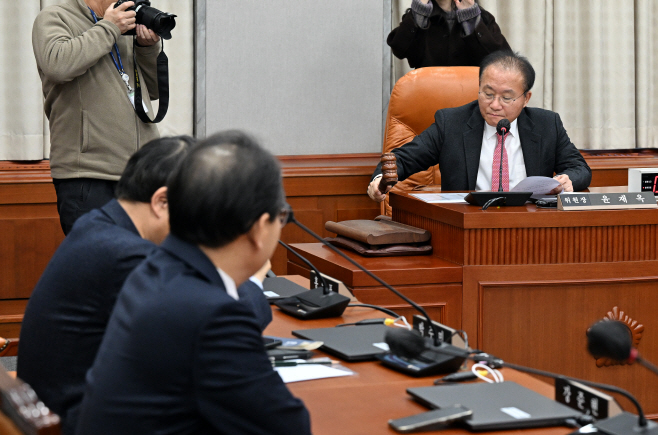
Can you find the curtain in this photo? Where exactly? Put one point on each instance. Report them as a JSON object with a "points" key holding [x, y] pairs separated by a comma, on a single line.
{"points": [[21, 110], [23, 126], [595, 64]]}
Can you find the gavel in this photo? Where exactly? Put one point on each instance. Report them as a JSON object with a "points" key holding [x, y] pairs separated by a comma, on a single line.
{"points": [[389, 172]]}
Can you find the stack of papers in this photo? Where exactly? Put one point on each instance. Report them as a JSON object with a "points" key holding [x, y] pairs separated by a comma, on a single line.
{"points": [[307, 372], [537, 185]]}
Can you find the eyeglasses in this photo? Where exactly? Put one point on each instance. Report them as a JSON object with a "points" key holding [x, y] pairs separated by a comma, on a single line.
{"points": [[505, 101], [285, 215]]}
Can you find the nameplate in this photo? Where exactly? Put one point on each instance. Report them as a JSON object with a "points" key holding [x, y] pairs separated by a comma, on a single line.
{"points": [[446, 333], [606, 201], [333, 284], [585, 399]]}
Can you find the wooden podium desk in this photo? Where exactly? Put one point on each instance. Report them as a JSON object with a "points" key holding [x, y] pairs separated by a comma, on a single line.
{"points": [[362, 404], [524, 283]]}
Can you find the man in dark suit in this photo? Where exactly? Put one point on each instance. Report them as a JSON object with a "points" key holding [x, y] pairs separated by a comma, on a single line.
{"points": [[464, 142], [181, 354], [71, 304]]}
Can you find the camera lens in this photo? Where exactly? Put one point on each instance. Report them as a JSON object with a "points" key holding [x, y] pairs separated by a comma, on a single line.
{"points": [[160, 22], [163, 24]]}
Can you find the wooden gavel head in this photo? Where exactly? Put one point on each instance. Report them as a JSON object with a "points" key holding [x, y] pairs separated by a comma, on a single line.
{"points": [[389, 172]]}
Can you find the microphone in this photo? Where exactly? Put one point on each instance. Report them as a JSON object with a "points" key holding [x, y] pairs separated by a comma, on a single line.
{"points": [[409, 345], [502, 128], [612, 339], [291, 218], [487, 199], [309, 305], [317, 303]]}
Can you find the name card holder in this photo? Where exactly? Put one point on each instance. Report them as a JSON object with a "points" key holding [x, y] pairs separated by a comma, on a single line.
{"points": [[585, 399], [606, 201]]}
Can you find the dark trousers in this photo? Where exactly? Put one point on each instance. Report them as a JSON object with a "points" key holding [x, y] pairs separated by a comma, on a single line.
{"points": [[77, 196]]}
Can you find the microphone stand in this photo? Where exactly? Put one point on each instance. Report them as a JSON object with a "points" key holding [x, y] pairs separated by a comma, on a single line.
{"points": [[643, 362], [622, 424], [291, 218], [317, 303], [324, 286]]}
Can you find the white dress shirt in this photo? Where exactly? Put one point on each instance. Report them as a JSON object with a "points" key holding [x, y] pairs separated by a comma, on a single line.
{"points": [[231, 289], [515, 162]]}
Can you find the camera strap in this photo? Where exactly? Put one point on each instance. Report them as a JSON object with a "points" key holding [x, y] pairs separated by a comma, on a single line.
{"points": [[163, 87]]}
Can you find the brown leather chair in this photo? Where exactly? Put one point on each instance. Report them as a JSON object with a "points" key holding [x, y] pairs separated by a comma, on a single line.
{"points": [[414, 100]]}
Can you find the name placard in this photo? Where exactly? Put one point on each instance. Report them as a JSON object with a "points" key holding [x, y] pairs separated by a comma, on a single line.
{"points": [[606, 201], [333, 284], [446, 333], [585, 399]]}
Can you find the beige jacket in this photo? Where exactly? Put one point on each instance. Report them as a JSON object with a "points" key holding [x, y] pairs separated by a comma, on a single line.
{"points": [[93, 126]]}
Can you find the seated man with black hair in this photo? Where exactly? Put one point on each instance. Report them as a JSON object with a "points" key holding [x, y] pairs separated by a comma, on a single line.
{"points": [[71, 304], [181, 354]]}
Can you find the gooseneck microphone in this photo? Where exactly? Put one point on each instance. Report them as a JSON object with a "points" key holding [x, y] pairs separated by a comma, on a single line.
{"points": [[502, 128], [324, 286], [410, 345], [612, 339], [311, 306], [317, 303]]}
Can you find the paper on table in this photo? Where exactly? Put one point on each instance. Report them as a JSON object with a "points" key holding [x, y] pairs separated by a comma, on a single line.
{"points": [[441, 198], [536, 185], [307, 372]]}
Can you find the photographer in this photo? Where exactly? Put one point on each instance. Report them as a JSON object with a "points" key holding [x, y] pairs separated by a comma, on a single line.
{"points": [[87, 74], [446, 33]]}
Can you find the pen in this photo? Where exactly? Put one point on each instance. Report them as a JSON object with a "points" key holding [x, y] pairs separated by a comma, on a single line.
{"points": [[460, 377], [297, 363]]}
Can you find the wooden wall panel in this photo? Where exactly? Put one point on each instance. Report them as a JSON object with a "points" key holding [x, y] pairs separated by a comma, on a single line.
{"points": [[25, 250], [538, 316], [319, 188]]}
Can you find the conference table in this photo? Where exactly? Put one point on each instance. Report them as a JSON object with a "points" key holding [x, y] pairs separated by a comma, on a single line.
{"points": [[363, 403], [525, 283]]}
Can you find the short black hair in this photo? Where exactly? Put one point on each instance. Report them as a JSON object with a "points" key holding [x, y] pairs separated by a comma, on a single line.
{"points": [[508, 59], [148, 169], [223, 186]]}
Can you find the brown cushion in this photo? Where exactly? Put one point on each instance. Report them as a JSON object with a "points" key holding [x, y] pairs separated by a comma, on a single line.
{"points": [[380, 250]]}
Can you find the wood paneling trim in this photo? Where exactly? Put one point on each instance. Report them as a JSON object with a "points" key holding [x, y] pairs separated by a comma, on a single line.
{"points": [[329, 165], [11, 318], [25, 172], [510, 246]]}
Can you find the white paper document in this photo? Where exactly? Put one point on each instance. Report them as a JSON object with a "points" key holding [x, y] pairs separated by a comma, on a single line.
{"points": [[536, 185], [441, 198], [307, 372]]}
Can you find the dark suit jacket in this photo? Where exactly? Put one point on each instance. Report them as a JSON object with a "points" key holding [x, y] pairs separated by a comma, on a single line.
{"points": [[454, 142], [180, 356], [71, 304]]}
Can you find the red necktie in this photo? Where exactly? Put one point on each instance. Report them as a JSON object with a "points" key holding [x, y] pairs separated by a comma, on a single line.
{"points": [[495, 169]]}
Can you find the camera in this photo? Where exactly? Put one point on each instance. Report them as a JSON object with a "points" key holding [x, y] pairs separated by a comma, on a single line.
{"points": [[160, 22]]}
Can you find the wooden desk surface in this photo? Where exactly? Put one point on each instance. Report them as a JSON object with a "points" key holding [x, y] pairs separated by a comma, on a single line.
{"points": [[466, 216], [363, 403]]}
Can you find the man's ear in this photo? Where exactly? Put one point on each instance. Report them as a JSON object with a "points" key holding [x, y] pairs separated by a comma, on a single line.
{"points": [[159, 204], [258, 232], [527, 98]]}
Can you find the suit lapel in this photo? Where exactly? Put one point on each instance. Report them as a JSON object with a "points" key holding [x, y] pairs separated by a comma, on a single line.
{"points": [[530, 145], [473, 146]]}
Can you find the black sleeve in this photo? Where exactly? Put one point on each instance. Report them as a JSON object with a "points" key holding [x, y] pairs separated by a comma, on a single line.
{"points": [[404, 41], [568, 159], [420, 154], [486, 38], [237, 391], [253, 296]]}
